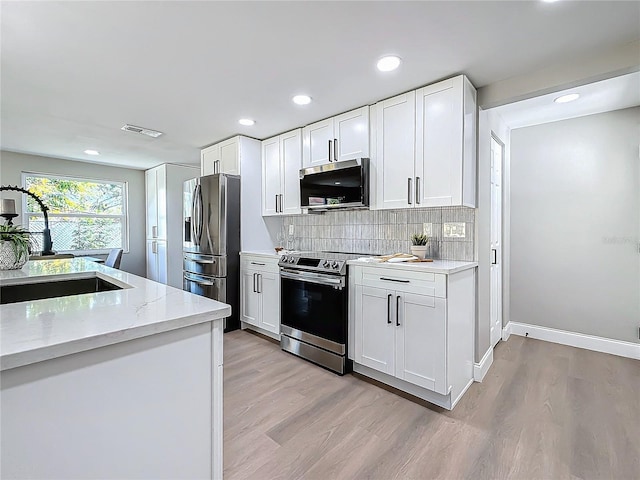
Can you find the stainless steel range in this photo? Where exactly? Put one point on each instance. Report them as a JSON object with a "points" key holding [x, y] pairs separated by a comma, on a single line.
{"points": [[313, 302]]}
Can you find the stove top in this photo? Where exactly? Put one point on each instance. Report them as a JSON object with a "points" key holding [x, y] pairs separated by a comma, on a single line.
{"points": [[327, 262]]}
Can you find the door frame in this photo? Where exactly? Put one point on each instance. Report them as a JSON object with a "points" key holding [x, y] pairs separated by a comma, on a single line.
{"points": [[496, 335]]}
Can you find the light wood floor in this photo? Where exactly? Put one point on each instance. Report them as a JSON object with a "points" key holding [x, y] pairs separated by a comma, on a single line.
{"points": [[544, 411]]}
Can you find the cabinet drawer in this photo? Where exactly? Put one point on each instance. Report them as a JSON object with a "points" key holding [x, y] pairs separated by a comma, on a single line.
{"points": [[261, 264], [421, 283]]}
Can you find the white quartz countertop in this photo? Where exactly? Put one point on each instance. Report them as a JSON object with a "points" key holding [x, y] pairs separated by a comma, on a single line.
{"points": [[437, 266], [271, 254], [38, 330]]}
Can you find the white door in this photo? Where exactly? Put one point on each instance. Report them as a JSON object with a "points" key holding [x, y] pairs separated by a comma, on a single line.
{"points": [[269, 288], [375, 329], [316, 147], [351, 131], [395, 145], [163, 268], [421, 341], [230, 157], [270, 176], [497, 155], [152, 260], [439, 144], [210, 159], [290, 165], [152, 202], [249, 298]]}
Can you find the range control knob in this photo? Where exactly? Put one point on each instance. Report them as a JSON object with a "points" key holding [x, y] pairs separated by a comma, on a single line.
{"points": [[292, 259], [326, 264], [335, 264]]}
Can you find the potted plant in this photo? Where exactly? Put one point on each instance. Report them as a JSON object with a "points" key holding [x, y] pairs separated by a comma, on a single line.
{"points": [[14, 247], [419, 245]]}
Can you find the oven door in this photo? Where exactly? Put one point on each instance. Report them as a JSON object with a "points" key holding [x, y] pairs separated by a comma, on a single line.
{"points": [[314, 303]]}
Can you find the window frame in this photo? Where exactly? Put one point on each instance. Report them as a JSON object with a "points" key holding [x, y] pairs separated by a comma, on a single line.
{"points": [[124, 216]]}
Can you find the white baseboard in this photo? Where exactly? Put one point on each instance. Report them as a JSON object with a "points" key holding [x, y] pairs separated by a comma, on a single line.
{"points": [[481, 369], [506, 331], [580, 340]]}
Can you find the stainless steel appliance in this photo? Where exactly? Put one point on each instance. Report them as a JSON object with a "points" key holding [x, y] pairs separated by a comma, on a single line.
{"points": [[211, 240], [313, 306], [335, 185]]}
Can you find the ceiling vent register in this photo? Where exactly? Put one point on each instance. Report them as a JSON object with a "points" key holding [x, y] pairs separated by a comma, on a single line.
{"points": [[142, 131]]}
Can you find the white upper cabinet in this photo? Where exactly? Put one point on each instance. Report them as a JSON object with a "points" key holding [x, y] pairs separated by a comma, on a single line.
{"points": [[223, 157], [343, 137], [281, 163], [434, 126], [395, 147]]}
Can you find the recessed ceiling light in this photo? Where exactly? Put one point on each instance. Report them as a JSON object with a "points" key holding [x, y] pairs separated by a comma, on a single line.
{"points": [[567, 98], [549, 1], [246, 122], [302, 99], [388, 63], [92, 152]]}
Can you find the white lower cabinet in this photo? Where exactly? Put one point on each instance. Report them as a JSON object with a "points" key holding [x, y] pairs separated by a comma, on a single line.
{"points": [[260, 294], [415, 329]]}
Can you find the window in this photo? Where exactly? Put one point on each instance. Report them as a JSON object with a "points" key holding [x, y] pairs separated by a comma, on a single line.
{"points": [[85, 215]]}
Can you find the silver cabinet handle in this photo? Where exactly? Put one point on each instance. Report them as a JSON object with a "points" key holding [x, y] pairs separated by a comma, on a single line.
{"points": [[256, 263], [254, 282], [154, 247], [329, 150], [259, 283], [409, 192], [389, 308], [216, 166], [280, 202], [398, 311], [494, 253], [154, 231], [417, 190], [335, 149], [395, 280]]}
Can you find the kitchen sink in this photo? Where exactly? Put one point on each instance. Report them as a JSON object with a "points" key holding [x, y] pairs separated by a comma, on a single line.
{"points": [[61, 288]]}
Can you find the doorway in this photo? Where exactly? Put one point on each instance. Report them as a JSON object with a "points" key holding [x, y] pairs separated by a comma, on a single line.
{"points": [[495, 309]]}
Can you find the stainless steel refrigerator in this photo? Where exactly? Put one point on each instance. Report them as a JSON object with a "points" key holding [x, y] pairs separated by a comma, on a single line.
{"points": [[211, 240]]}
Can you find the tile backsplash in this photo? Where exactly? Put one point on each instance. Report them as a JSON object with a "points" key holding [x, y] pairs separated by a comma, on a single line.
{"points": [[384, 231]]}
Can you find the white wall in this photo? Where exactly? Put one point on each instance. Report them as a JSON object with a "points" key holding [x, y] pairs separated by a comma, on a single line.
{"points": [[13, 164], [489, 123], [575, 225]]}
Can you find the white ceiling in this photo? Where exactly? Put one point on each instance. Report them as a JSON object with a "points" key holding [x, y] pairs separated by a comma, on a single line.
{"points": [[604, 96], [74, 72]]}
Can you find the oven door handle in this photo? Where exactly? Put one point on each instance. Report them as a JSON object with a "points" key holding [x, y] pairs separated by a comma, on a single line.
{"points": [[313, 278]]}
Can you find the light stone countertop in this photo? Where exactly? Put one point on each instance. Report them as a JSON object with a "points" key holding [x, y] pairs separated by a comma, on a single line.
{"points": [[271, 254], [437, 266], [38, 330]]}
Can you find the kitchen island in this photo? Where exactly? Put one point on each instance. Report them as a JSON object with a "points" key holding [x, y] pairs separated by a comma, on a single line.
{"points": [[123, 383]]}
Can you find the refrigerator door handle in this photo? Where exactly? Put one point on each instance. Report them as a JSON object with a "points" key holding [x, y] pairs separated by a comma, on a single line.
{"points": [[206, 283], [194, 230], [198, 215]]}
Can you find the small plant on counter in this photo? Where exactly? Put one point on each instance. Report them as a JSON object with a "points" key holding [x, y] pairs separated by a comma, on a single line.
{"points": [[419, 239], [14, 247]]}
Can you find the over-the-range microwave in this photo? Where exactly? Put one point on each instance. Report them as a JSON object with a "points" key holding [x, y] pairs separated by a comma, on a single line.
{"points": [[335, 185]]}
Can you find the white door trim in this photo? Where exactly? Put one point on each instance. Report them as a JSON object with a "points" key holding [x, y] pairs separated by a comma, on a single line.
{"points": [[496, 269]]}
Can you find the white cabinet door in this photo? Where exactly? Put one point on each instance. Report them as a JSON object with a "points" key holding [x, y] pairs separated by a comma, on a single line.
{"points": [[210, 159], [315, 147], [421, 340], [395, 145], [269, 289], [161, 195], [151, 183], [351, 132], [290, 165], [439, 143], [161, 248], [152, 260], [375, 329], [249, 298], [230, 156], [270, 176]]}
